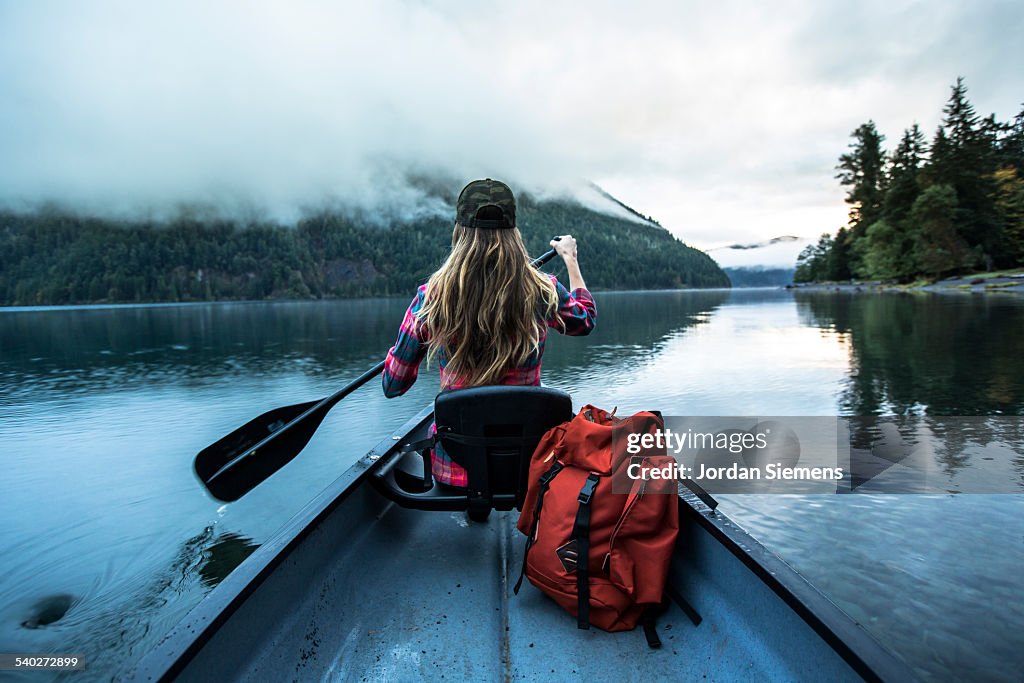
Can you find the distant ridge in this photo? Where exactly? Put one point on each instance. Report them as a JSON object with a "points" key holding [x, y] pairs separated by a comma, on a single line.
{"points": [[57, 257], [600, 190], [759, 276]]}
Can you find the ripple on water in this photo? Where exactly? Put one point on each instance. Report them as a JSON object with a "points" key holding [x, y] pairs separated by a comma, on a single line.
{"points": [[114, 611]]}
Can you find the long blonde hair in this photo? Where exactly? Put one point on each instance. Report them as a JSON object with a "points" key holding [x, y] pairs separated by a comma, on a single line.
{"points": [[486, 305]]}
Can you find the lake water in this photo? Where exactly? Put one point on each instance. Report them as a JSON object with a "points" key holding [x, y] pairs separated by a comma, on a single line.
{"points": [[103, 409]]}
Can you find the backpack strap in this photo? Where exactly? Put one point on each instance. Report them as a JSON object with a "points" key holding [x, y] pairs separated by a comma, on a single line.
{"points": [[581, 534], [649, 621], [545, 483]]}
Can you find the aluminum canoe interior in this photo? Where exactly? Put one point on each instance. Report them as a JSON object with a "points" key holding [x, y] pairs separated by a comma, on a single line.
{"points": [[357, 588]]}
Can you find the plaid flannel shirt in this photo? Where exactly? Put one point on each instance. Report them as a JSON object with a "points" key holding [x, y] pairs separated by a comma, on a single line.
{"points": [[576, 310]]}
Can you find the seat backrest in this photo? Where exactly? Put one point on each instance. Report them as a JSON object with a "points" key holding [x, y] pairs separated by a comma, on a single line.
{"points": [[492, 432]]}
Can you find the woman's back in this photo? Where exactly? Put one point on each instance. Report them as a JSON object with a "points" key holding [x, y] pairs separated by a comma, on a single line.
{"points": [[485, 313]]}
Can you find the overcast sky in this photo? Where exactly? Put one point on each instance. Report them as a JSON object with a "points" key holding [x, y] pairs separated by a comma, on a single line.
{"points": [[722, 120]]}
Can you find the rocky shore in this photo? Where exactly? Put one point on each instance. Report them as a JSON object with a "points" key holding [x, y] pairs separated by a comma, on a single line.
{"points": [[1001, 282]]}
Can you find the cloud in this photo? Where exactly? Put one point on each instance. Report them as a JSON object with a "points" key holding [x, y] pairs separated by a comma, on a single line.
{"points": [[723, 120]]}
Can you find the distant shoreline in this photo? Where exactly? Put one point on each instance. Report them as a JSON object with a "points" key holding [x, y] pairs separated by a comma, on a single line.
{"points": [[1010, 282], [98, 305]]}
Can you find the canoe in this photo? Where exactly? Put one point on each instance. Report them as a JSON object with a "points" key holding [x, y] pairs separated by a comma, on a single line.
{"points": [[356, 587]]}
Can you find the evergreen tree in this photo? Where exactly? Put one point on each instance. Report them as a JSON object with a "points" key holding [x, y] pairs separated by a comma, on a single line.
{"points": [[812, 265], [940, 168], [1010, 205], [888, 251], [969, 167], [904, 182], [991, 133], [862, 170], [939, 248], [804, 265], [839, 256], [1011, 145]]}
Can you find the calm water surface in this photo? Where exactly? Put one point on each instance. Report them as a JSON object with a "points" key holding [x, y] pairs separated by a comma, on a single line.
{"points": [[109, 540]]}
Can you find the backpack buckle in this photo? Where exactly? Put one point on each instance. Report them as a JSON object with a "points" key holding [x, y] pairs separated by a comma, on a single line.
{"points": [[587, 492], [546, 478]]}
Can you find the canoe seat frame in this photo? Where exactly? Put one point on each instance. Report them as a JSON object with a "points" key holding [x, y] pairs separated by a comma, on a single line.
{"points": [[492, 433]]}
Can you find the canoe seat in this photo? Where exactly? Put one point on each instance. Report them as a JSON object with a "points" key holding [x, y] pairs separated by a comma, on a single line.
{"points": [[490, 431]]}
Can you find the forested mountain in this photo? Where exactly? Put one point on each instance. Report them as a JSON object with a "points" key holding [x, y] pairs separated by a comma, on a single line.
{"points": [[928, 210], [56, 257]]}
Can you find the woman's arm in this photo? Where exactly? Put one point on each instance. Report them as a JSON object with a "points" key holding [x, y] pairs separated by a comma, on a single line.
{"points": [[577, 313], [402, 365], [565, 246]]}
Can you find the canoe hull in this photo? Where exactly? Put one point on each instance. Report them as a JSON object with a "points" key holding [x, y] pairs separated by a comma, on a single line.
{"points": [[357, 587]]}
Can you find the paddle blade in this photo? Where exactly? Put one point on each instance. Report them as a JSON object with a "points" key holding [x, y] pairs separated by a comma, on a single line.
{"points": [[228, 476]]}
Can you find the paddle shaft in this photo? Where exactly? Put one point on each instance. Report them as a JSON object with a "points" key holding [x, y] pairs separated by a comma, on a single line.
{"points": [[318, 412], [233, 459]]}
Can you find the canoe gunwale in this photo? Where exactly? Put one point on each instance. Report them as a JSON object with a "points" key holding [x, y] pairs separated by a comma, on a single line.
{"points": [[177, 649]]}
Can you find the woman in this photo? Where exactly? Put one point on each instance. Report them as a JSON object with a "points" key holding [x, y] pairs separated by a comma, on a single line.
{"points": [[484, 314]]}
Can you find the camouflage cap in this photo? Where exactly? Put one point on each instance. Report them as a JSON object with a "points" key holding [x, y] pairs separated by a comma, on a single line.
{"points": [[482, 194]]}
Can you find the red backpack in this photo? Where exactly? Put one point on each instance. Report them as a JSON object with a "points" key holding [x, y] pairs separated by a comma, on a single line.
{"points": [[571, 511]]}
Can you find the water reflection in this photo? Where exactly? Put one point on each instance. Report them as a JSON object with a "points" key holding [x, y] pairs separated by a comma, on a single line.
{"points": [[707, 353], [75, 350], [222, 556], [932, 454], [919, 353], [632, 328]]}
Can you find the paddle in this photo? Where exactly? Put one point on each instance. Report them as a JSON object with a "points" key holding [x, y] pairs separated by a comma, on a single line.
{"points": [[234, 465]]}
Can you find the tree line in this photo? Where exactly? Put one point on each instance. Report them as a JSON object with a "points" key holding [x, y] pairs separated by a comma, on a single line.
{"points": [[53, 256], [928, 210]]}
